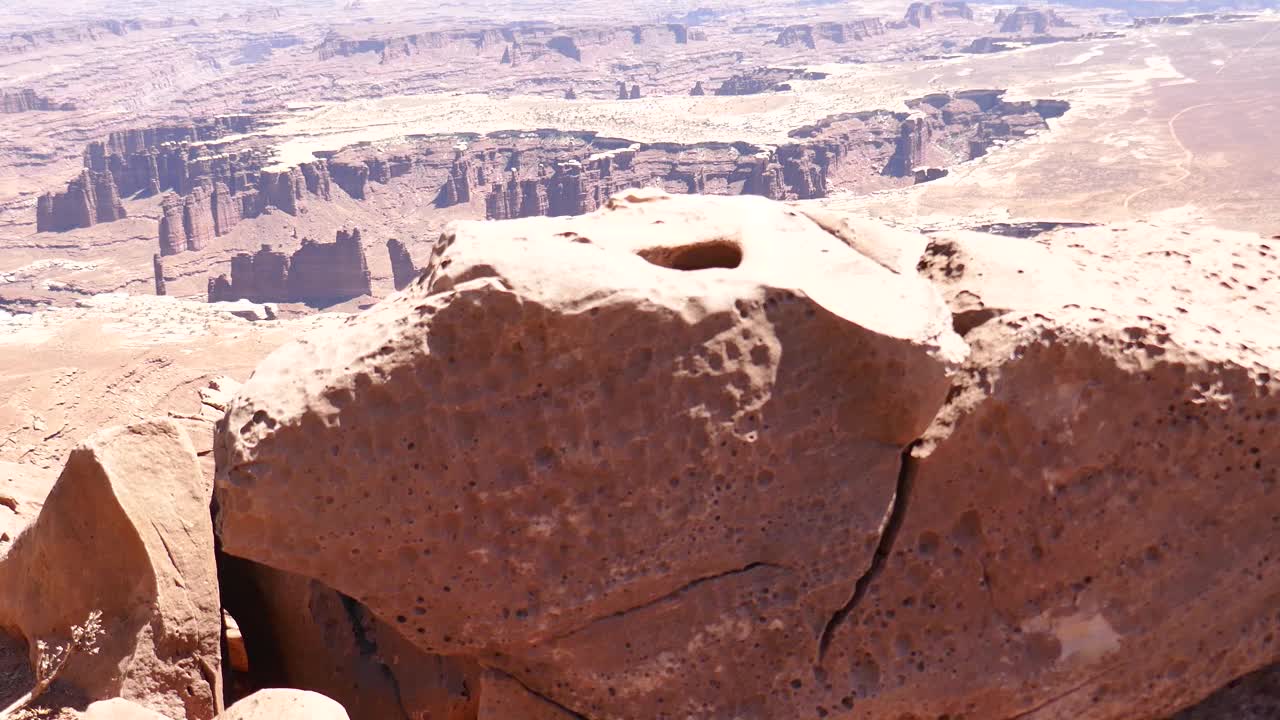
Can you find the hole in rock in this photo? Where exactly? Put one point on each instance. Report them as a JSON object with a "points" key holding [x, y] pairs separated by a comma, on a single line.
{"points": [[698, 256]]}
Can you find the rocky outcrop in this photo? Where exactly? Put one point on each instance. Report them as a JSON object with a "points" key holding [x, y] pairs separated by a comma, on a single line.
{"points": [[529, 542], [403, 271], [259, 277], [1029, 20], [288, 189], [750, 446], [920, 14], [911, 148], [188, 223], [698, 90], [28, 101], [197, 218], [830, 33], [762, 80], [324, 273], [1100, 384], [173, 238], [125, 531], [227, 209], [90, 199], [211, 210], [157, 266], [316, 274]]}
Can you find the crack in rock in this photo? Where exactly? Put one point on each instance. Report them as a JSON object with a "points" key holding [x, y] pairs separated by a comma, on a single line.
{"points": [[667, 596], [888, 536]]}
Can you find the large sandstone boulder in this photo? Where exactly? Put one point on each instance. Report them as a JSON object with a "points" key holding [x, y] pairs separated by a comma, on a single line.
{"points": [[635, 460], [125, 531], [691, 457], [1093, 518]]}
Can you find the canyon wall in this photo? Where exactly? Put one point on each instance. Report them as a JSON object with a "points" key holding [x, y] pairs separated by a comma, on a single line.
{"points": [[832, 33], [922, 13], [1025, 19], [520, 174], [212, 208], [520, 43], [152, 160], [214, 184], [28, 101], [316, 274]]}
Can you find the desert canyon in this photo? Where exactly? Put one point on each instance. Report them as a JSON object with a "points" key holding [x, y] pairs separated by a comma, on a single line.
{"points": [[883, 360]]}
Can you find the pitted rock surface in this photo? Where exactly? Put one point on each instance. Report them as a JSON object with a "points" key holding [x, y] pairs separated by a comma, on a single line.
{"points": [[1092, 519], [678, 420], [649, 463]]}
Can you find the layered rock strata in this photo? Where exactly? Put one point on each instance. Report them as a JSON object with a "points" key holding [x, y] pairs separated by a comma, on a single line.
{"points": [[90, 199], [28, 100], [157, 266], [555, 173], [218, 180], [518, 174], [519, 43], [822, 34]]}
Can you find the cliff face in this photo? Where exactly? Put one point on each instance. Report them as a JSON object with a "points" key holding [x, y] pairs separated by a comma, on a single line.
{"points": [[317, 274], [90, 199], [29, 101], [150, 161], [211, 209], [520, 43], [833, 33]]}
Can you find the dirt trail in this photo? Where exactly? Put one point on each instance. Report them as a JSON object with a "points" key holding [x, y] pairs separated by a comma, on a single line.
{"points": [[1188, 156]]}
